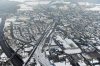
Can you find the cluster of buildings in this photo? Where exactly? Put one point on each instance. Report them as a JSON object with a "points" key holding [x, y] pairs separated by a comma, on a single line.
{"points": [[75, 41]]}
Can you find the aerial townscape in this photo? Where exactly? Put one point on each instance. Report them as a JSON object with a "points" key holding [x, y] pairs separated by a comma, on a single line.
{"points": [[49, 33]]}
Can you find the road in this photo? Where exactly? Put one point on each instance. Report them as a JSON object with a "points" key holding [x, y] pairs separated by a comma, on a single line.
{"points": [[37, 51], [39, 55]]}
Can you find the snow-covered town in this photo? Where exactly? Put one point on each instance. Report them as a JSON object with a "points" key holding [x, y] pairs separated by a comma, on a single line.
{"points": [[51, 33]]}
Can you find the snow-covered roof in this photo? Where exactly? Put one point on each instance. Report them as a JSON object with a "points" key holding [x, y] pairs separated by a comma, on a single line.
{"points": [[66, 42], [28, 49], [98, 47], [47, 53], [3, 55], [70, 46], [72, 51], [53, 43], [94, 61], [69, 41], [63, 42]]}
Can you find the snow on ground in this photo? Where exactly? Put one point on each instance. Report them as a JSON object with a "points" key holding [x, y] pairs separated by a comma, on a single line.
{"points": [[81, 63], [62, 64]]}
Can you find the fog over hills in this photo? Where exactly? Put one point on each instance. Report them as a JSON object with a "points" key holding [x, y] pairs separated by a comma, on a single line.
{"points": [[8, 7], [95, 1], [91, 1]]}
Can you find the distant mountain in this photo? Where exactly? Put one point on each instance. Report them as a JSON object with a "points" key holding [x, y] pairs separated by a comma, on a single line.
{"points": [[96, 1], [91, 1]]}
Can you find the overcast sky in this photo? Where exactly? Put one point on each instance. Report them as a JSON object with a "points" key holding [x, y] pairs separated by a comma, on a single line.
{"points": [[18, 0], [93, 1]]}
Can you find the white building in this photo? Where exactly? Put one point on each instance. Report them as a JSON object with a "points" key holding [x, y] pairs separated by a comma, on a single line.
{"points": [[69, 45], [3, 57]]}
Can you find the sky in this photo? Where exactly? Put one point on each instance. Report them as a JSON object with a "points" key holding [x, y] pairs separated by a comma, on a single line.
{"points": [[94, 1], [17, 0]]}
